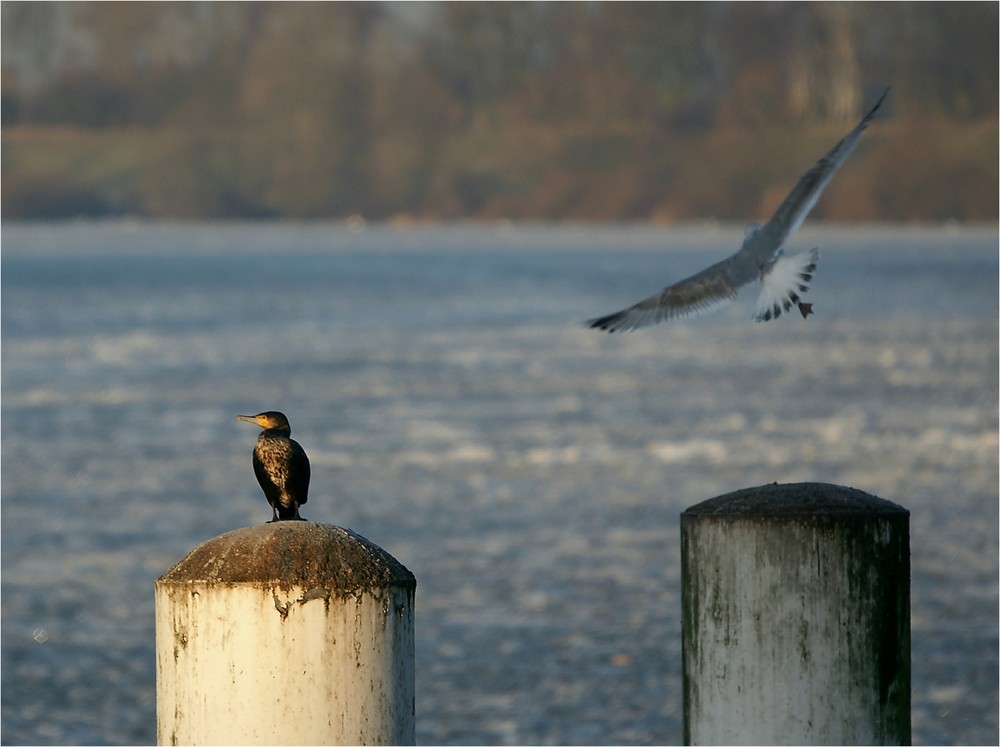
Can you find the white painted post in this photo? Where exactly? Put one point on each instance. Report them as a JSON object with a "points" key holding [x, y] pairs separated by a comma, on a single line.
{"points": [[796, 617], [286, 633]]}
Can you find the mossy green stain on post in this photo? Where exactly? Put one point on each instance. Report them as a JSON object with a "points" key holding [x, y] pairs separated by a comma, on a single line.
{"points": [[795, 615]]}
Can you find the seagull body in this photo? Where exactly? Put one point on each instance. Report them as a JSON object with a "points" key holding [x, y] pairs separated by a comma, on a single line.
{"points": [[783, 278]]}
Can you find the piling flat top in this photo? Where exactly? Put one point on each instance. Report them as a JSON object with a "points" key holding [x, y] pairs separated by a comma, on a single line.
{"points": [[293, 553], [796, 499]]}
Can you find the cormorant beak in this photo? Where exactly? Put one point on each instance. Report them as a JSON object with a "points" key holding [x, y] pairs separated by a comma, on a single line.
{"points": [[255, 419]]}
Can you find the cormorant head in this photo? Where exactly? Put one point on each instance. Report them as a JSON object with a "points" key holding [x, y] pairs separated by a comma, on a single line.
{"points": [[269, 421]]}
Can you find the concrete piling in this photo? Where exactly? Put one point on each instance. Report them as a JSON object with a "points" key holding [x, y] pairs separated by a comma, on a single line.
{"points": [[286, 633], [795, 618]]}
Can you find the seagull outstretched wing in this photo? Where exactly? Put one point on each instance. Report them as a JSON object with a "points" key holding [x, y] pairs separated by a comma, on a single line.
{"points": [[702, 292], [790, 213]]}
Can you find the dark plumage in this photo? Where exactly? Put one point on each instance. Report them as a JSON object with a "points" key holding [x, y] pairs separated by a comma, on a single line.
{"points": [[281, 465]]}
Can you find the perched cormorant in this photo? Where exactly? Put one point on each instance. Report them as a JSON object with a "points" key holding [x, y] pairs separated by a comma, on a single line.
{"points": [[281, 465]]}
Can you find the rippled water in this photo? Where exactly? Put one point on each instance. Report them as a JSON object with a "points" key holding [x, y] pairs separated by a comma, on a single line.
{"points": [[529, 471]]}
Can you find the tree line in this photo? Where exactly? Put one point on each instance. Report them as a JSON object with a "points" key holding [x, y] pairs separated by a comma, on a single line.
{"points": [[603, 110]]}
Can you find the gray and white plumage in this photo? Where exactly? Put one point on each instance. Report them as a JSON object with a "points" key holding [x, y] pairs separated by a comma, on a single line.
{"points": [[783, 278]]}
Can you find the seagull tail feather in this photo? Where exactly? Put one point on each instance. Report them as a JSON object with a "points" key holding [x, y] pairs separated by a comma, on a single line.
{"points": [[784, 283]]}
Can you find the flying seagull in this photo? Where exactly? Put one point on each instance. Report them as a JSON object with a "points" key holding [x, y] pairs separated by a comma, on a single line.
{"points": [[782, 278]]}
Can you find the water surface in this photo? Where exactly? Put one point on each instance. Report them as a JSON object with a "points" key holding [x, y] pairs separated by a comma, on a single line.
{"points": [[529, 471]]}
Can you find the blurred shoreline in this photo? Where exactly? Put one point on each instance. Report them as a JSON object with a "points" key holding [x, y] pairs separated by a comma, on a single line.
{"points": [[656, 177]]}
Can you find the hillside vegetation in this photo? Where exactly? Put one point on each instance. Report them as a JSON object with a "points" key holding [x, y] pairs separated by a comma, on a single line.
{"points": [[523, 111]]}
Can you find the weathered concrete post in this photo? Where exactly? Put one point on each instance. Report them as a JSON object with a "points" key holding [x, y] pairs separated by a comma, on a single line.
{"points": [[796, 617], [286, 633]]}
